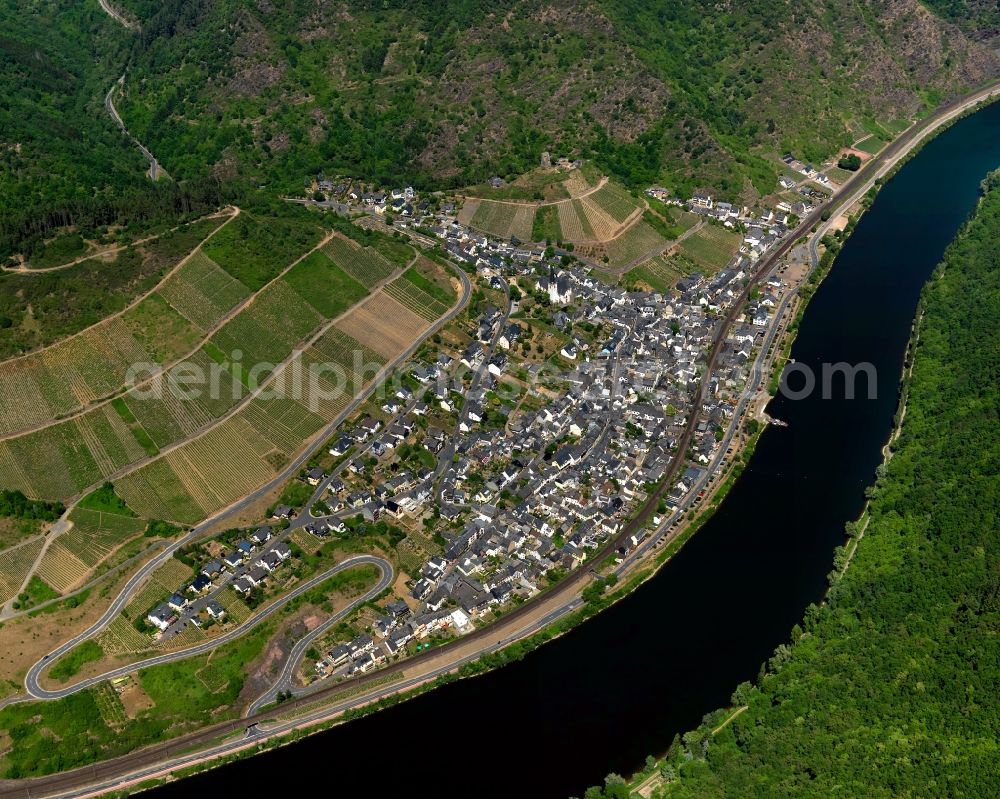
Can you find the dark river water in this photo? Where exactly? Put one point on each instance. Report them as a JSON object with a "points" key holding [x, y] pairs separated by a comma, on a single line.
{"points": [[620, 686]]}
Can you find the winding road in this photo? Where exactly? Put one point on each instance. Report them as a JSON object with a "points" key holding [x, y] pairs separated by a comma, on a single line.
{"points": [[34, 688]]}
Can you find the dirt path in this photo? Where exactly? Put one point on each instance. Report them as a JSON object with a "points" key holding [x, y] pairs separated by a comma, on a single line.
{"points": [[24, 269], [539, 203], [105, 320]]}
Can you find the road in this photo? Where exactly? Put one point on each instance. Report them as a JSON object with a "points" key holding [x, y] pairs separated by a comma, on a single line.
{"points": [[109, 103], [137, 580], [285, 680], [530, 616], [38, 692], [117, 16]]}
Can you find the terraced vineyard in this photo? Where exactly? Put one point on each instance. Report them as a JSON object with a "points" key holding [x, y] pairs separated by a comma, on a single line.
{"points": [[416, 299], [266, 330], [202, 291], [74, 555], [14, 565], [365, 264], [711, 247], [615, 201], [639, 240]]}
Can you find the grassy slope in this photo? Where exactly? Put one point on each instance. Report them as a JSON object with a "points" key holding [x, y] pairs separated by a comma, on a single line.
{"points": [[893, 689]]}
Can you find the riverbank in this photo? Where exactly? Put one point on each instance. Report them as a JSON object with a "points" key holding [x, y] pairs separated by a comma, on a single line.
{"points": [[869, 665]]}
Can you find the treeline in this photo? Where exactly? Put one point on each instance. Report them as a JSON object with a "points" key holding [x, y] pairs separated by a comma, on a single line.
{"points": [[891, 688], [15, 505], [24, 229]]}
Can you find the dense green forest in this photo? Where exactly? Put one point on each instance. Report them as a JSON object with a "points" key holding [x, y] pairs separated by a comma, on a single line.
{"points": [[444, 94], [893, 687], [239, 98]]}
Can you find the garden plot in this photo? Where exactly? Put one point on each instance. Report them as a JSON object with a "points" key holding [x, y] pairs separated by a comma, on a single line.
{"points": [[384, 325], [660, 273], [14, 566], [202, 291], [365, 264]]}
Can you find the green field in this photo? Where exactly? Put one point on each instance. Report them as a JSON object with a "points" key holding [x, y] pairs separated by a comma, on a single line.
{"points": [[712, 247], [546, 225], [365, 264], [871, 144], [202, 291], [255, 249], [639, 240], [324, 285]]}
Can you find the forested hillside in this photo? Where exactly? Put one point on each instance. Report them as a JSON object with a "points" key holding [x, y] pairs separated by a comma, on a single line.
{"points": [[892, 688], [256, 94], [447, 93]]}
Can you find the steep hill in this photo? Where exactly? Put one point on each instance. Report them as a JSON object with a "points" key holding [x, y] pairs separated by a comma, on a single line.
{"points": [[259, 93], [447, 93]]}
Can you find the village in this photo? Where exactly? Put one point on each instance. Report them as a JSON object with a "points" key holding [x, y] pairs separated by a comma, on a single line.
{"points": [[519, 465]]}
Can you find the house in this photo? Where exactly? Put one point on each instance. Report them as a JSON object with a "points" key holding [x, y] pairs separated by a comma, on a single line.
{"points": [[283, 551], [177, 601], [215, 610], [212, 569], [283, 512], [161, 616], [269, 561], [243, 585], [201, 584], [315, 476], [338, 655], [701, 200], [261, 535], [340, 446], [233, 559]]}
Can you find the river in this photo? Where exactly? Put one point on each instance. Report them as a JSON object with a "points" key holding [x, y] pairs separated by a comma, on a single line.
{"points": [[620, 686]]}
